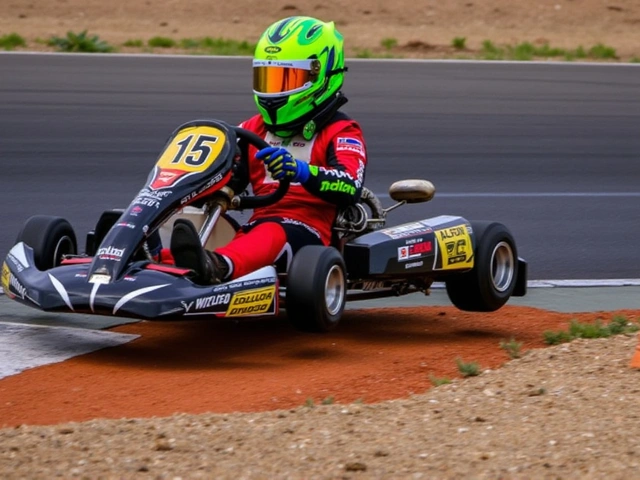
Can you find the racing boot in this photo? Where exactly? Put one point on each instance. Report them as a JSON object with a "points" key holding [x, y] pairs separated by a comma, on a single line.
{"points": [[209, 267]]}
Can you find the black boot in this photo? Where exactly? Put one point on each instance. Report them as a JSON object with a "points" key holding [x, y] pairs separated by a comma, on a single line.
{"points": [[188, 253]]}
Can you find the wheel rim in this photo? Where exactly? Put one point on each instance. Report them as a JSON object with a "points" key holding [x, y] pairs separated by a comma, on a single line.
{"points": [[334, 289], [63, 247], [502, 266]]}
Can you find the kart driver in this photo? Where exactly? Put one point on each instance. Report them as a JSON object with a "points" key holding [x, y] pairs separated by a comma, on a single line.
{"points": [[298, 71]]}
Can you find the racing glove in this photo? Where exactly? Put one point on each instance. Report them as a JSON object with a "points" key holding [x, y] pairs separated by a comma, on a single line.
{"points": [[281, 164]]}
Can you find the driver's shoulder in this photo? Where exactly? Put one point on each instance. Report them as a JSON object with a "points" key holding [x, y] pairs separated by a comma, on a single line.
{"points": [[255, 124], [341, 124]]}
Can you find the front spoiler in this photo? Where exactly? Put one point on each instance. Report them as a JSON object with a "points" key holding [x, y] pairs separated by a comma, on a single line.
{"points": [[141, 292]]}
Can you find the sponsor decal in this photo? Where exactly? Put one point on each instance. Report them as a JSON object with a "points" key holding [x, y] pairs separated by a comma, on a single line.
{"points": [[212, 301], [16, 263], [455, 247], [252, 302], [202, 189], [414, 250], [272, 49], [129, 278], [406, 230], [301, 224], [125, 225], [6, 275], [99, 278], [337, 186], [360, 174], [413, 265], [9, 281], [136, 210], [81, 275], [147, 202], [110, 253], [350, 144]]}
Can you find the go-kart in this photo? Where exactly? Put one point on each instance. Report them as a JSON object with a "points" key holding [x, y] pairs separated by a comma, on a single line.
{"points": [[194, 178]]}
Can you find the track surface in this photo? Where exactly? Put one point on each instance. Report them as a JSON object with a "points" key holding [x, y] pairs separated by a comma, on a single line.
{"points": [[551, 150]]}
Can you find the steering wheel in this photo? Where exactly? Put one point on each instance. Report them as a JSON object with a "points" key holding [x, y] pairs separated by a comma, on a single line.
{"points": [[255, 201]]}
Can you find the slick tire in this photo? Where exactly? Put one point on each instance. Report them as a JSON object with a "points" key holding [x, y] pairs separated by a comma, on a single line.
{"points": [[490, 283], [316, 289], [50, 238]]}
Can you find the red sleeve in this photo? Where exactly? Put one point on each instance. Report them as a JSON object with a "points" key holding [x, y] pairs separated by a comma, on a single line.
{"points": [[337, 171]]}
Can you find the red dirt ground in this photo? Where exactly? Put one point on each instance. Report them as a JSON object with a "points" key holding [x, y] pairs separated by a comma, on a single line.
{"points": [[205, 366]]}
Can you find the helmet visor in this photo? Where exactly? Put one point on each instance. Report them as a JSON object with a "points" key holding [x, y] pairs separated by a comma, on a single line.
{"points": [[272, 77]]}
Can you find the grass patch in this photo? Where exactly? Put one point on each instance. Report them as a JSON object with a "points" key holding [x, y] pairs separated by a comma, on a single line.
{"points": [[635, 60], [528, 51], [389, 43], [512, 348], [618, 325], [328, 401], [80, 42], [436, 381], [11, 41], [470, 369], [161, 42], [459, 43], [602, 51], [217, 46], [137, 43]]}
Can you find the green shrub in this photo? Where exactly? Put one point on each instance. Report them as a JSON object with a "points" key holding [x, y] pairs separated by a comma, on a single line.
{"points": [[389, 43], [618, 325], [137, 43], [470, 369], [223, 46], [512, 348], [80, 42], [161, 42], [556, 338], [601, 51], [459, 43], [11, 41], [491, 52], [436, 382]]}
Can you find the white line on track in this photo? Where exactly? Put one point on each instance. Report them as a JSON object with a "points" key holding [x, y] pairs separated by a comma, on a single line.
{"points": [[359, 60]]}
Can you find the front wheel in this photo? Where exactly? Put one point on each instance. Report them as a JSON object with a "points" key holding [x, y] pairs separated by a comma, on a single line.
{"points": [[492, 280], [50, 238], [316, 289]]}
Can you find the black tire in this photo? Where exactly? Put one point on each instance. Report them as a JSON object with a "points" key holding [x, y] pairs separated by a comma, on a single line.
{"points": [[316, 289], [50, 238], [490, 283]]}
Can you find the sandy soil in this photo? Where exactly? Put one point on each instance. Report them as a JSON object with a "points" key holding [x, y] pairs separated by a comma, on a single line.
{"points": [[421, 29], [356, 403]]}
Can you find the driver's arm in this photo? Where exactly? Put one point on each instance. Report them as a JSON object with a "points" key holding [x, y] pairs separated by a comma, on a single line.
{"points": [[340, 179]]}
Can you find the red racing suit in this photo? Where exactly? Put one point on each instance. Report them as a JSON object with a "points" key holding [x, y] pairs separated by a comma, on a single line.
{"points": [[337, 160]]}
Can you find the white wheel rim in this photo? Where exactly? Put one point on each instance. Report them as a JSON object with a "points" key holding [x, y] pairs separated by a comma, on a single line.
{"points": [[63, 247], [502, 266], [334, 290]]}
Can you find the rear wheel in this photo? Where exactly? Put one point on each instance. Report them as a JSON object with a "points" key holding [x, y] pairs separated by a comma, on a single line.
{"points": [[50, 238], [316, 289], [490, 283]]}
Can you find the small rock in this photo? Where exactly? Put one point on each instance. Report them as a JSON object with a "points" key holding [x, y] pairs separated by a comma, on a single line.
{"points": [[355, 467]]}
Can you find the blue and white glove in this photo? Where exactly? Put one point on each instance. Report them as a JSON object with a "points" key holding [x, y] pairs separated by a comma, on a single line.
{"points": [[281, 164]]}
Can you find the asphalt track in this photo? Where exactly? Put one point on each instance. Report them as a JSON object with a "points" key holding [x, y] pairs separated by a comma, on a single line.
{"points": [[551, 150]]}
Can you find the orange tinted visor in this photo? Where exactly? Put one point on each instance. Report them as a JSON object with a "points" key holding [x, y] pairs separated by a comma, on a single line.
{"points": [[273, 79]]}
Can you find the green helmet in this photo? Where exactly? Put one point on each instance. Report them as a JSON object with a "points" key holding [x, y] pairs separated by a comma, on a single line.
{"points": [[298, 69]]}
